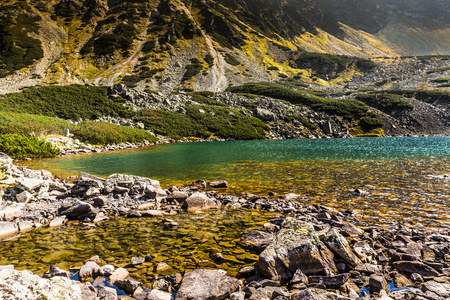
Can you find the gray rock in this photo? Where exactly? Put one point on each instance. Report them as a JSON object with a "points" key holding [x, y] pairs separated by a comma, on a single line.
{"points": [[333, 282], [199, 201], [11, 212], [55, 271], [8, 229], [222, 184], [24, 197], [79, 210], [317, 294], [100, 201], [270, 292], [88, 292], [137, 260], [377, 282], [88, 270], [441, 289], [411, 267], [118, 274], [368, 268], [176, 196], [204, 284], [257, 239], [106, 270], [339, 245], [58, 221], [16, 285], [364, 251], [237, 296], [129, 286], [107, 293], [296, 246]]}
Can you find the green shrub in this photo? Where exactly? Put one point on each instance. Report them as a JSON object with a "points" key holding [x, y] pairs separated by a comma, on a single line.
{"points": [[209, 59], [369, 123], [231, 60], [149, 46], [192, 69], [203, 121], [66, 102], [302, 120], [102, 133], [272, 68], [21, 146], [347, 108], [385, 102]]}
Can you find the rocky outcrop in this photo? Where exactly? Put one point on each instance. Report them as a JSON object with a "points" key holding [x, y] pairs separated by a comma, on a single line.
{"points": [[296, 246]]}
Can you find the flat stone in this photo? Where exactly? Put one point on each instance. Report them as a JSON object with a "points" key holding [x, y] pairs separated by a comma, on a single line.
{"points": [[8, 229], [202, 284], [270, 292], [152, 213], [317, 294], [58, 221], [368, 268], [107, 293], [11, 212], [441, 289], [25, 226], [24, 197], [147, 205], [54, 271], [411, 267], [106, 270], [177, 196], [339, 245], [333, 282]]}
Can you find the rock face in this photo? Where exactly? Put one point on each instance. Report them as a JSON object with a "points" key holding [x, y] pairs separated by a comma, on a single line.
{"points": [[296, 246], [23, 285], [204, 284]]}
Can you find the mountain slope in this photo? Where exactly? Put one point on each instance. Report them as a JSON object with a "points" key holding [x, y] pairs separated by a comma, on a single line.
{"points": [[205, 45]]}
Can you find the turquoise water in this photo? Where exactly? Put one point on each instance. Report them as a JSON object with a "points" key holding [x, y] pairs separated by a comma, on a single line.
{"points": [[394, 172]]}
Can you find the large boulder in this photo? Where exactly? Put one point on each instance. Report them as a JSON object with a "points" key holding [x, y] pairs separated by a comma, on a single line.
{"points": [[204, 284], [8, 229], [89, 270], [296, 246], [24, 285], [78, 210], [199, 201]]}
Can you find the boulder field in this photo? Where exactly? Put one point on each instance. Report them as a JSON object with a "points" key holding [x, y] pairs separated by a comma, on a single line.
{"points": [[311, 252]]}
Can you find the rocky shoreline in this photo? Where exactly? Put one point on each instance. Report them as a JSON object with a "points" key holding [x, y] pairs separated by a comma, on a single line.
{"points": [[312, 252]]}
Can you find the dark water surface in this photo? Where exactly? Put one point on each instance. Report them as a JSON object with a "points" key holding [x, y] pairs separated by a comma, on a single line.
{"points": [[394, 171]]}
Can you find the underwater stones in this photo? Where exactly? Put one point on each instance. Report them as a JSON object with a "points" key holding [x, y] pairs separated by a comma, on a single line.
{"points": [[202, 284], [296, 246], [339, 245], [137, 260], [199, 201], [256, 238], [88, 270]]}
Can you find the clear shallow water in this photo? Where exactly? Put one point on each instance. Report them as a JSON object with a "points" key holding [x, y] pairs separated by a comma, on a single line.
{"points": [[186, 247], [394, 172]]}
